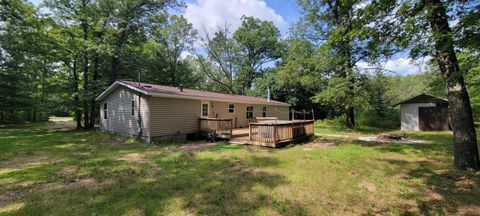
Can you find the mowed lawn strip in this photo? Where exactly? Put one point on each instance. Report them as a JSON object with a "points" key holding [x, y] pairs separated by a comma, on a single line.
{"points": [[47, 170]]}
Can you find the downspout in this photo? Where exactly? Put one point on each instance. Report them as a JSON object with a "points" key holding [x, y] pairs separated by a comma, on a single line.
{"points": [[139, 120]]}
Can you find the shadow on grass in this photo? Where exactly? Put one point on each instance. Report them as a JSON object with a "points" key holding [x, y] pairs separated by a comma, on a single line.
{"points": [[184, 182], [449, 192], [225, 147], [91, 177], [436, 190]]}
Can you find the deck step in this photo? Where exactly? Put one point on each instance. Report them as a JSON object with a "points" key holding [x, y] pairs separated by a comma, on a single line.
{"points": [[239, 135], [238, 141]]}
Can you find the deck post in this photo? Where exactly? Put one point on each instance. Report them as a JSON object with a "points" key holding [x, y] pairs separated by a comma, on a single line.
{"points": [[249, 132], [274, 134], [231, 128]]}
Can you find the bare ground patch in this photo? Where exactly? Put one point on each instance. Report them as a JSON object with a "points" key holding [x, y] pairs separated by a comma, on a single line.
{"points": [[321, 143], [63, 125], [196, 146], [20, 162]]}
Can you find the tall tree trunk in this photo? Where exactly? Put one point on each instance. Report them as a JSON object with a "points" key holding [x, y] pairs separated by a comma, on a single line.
{"points": [[350, 109], [35, 116], [460, 112], [29, 115], [2, 116], [350, 117], [342, 18], [76, 98], [86, 87], [94, 91], [347, 73]]}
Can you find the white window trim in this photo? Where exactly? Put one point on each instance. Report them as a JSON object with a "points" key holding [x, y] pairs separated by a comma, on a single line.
{"points": [[208, 109], [132, 107], [105, 111], [253, 111], [234, 108]]}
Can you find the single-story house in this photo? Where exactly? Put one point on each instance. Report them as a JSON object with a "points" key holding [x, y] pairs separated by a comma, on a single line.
{"points": [[424, 112], [158, 111]]}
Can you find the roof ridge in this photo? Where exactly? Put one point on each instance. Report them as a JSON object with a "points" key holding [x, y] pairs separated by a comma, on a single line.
{"points": [[418, 95], [145, 84]]}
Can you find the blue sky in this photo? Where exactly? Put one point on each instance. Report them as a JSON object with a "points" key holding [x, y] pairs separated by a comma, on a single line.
{"points": [[207, 15], [287, 8]]}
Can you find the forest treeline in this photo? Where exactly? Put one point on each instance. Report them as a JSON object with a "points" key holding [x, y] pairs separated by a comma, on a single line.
{"points": [[56, 57]]}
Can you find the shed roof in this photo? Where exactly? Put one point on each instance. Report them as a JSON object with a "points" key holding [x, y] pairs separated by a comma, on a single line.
{"points": [[185, 93], [422, 98]]}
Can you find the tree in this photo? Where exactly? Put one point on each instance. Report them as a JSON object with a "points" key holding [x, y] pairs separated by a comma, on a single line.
{"points": [[378, 88], [296, 79], [219, 64], [460, 112], [131, 17], [78, 17], [257, 43], [425, 30], [340, 29], [25, 62], [174, 38]]}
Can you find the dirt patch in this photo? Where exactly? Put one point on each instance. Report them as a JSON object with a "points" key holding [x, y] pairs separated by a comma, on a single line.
{"points": [[369, 186], [465, 184], [134, 157], [67, 171], [63, 125], [12, 207], [134, 212], [320, 143], [469, 210], [375, 138], [85, 182], [432, 195], [196, 146], [403, 141], [338, 136], [19, 162]]}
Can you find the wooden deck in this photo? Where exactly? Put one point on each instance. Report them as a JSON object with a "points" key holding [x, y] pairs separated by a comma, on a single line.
{"points": [[221, 126], [273, 133]]}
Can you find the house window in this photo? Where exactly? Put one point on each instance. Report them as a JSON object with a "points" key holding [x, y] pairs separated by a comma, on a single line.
{"points": [[105, 111], [231, 108], [133, 107], [264, 112], [204, 109], [249, 113]]}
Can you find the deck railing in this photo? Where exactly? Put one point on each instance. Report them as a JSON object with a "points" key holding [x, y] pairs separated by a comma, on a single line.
{"points": [[271, 133], [222, 126]]}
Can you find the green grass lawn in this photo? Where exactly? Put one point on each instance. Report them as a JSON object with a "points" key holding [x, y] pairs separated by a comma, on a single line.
{"points": [[45, 170]]}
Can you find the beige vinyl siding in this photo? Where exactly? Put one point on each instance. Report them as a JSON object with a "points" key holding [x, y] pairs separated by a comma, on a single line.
{"points": [[220, 110], [119, 112], [171, 116], [162, 116]]}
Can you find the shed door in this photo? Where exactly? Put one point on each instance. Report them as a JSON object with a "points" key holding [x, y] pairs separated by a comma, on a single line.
{"points": [[433, 118]]}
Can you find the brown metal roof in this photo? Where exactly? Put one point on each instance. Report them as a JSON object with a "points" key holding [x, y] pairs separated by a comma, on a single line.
{"points": [[422, 98], [162, 90]]}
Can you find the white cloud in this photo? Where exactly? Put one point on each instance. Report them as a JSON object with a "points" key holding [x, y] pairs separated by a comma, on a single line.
{"points": [[209, 14], [401, 66]]}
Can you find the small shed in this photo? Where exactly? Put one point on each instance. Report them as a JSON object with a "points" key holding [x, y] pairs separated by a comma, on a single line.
{"points": [[424, 112]]}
